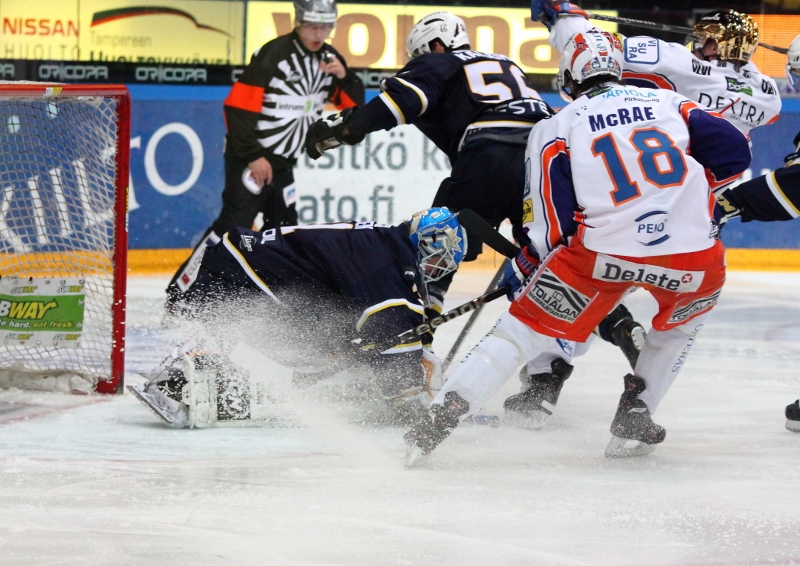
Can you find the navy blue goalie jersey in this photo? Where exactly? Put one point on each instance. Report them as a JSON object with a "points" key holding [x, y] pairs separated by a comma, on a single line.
{"points": [[447, 94], [369, 270]]}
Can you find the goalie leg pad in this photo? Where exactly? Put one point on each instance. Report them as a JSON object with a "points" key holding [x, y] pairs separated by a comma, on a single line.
{"points": [[216, 390]]}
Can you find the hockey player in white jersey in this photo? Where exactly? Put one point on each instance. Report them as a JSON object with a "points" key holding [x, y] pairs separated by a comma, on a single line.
{"points": [[715, 71], [618, 201]]}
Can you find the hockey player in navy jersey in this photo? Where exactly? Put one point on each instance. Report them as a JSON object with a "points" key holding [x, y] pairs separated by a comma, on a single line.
{"points": [[625, 205], [317, 298], [768, 198], [478, 108]]}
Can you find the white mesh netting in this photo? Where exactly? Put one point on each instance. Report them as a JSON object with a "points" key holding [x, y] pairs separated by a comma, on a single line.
{"points": [[57, 198]]}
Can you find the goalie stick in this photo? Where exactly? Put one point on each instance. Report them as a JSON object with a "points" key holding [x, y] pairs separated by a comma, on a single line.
{"points": [[666, 27]]}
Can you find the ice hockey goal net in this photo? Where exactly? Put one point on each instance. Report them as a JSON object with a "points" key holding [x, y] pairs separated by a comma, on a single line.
{"points": [[64, 170]]}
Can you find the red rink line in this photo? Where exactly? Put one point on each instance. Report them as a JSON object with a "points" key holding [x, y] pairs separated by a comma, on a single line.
{"points": [[11, 413]]}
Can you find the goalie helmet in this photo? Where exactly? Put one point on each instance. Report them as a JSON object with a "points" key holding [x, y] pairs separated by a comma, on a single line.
{"points": [[736, 35], [445, 27], [793, 62], [315, 12], [586, 55], [440, 240]]}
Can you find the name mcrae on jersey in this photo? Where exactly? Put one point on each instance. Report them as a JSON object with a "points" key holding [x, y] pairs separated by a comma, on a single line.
{"points": [[743, 95], [614, 169]]}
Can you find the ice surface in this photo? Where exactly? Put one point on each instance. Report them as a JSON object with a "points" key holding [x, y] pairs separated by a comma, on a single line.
{"points": [[97, 480]]}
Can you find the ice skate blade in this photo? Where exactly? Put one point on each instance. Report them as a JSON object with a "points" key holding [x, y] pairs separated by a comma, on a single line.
{"points": [[534, 420], [626, 448], [414, 455], [170, 419], [793, 426]]}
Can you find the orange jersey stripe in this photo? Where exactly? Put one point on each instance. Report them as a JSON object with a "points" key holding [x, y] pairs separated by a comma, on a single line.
{"points": [[549, 154], [246, 97], [657, 80], [341, 100]]}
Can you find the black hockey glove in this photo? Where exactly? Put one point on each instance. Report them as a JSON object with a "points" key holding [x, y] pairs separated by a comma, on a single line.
{"points": [[727, 207], [329, 133]]}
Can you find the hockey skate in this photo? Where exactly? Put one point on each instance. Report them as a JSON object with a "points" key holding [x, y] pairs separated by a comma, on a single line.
{"points": [[793, 417], [634, 432], [434, 426], [531, 408], [163, 395]]}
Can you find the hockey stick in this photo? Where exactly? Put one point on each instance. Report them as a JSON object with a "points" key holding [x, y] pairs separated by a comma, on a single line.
{"points": [[666, 27], [472, 318], [305, 379], [477, 228], [418, 331]]}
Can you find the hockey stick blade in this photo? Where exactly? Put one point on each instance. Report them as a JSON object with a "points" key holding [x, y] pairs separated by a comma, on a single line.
{"points": [[666, 27], [478, 228]]}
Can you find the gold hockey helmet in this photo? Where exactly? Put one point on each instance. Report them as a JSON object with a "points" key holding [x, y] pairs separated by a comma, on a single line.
{"points": [[736, 34]]}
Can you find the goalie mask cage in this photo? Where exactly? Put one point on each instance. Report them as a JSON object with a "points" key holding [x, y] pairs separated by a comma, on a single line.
{"points": [[64, 170]]}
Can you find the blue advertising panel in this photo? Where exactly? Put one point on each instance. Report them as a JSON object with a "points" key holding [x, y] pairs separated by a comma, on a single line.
{"points": [[177, 171], [177, 137]]}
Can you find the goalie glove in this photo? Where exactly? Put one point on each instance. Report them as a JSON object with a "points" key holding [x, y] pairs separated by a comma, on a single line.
{"points": [[547, 11], [328, 133], [794, 157], [518, 270]]}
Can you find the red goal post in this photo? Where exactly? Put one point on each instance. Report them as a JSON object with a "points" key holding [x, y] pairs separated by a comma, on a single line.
{"points": [[64, 174]]}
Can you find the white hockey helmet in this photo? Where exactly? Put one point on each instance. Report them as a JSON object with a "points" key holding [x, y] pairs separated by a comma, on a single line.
{"points": [[315, 12], [440, 240], [793, 62], [736, 34], [444, 27], [586, 55]]}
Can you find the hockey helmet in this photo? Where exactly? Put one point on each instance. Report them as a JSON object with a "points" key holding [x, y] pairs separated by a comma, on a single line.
{"points": [[440, 240], [736, 34], [445, 27], [315, 12], [793, 62], [589, 54]]}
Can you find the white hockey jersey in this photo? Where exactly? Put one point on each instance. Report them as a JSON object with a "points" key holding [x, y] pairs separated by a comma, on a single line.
{"points": [[744, 96], [630, 171]]}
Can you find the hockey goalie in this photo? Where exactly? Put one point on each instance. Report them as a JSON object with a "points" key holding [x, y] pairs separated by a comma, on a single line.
{"points": [[319, 299]]}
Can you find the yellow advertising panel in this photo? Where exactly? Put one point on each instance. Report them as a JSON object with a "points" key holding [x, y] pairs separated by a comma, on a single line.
{"points": [[372, 35], [184, 31], [46, 29]]}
